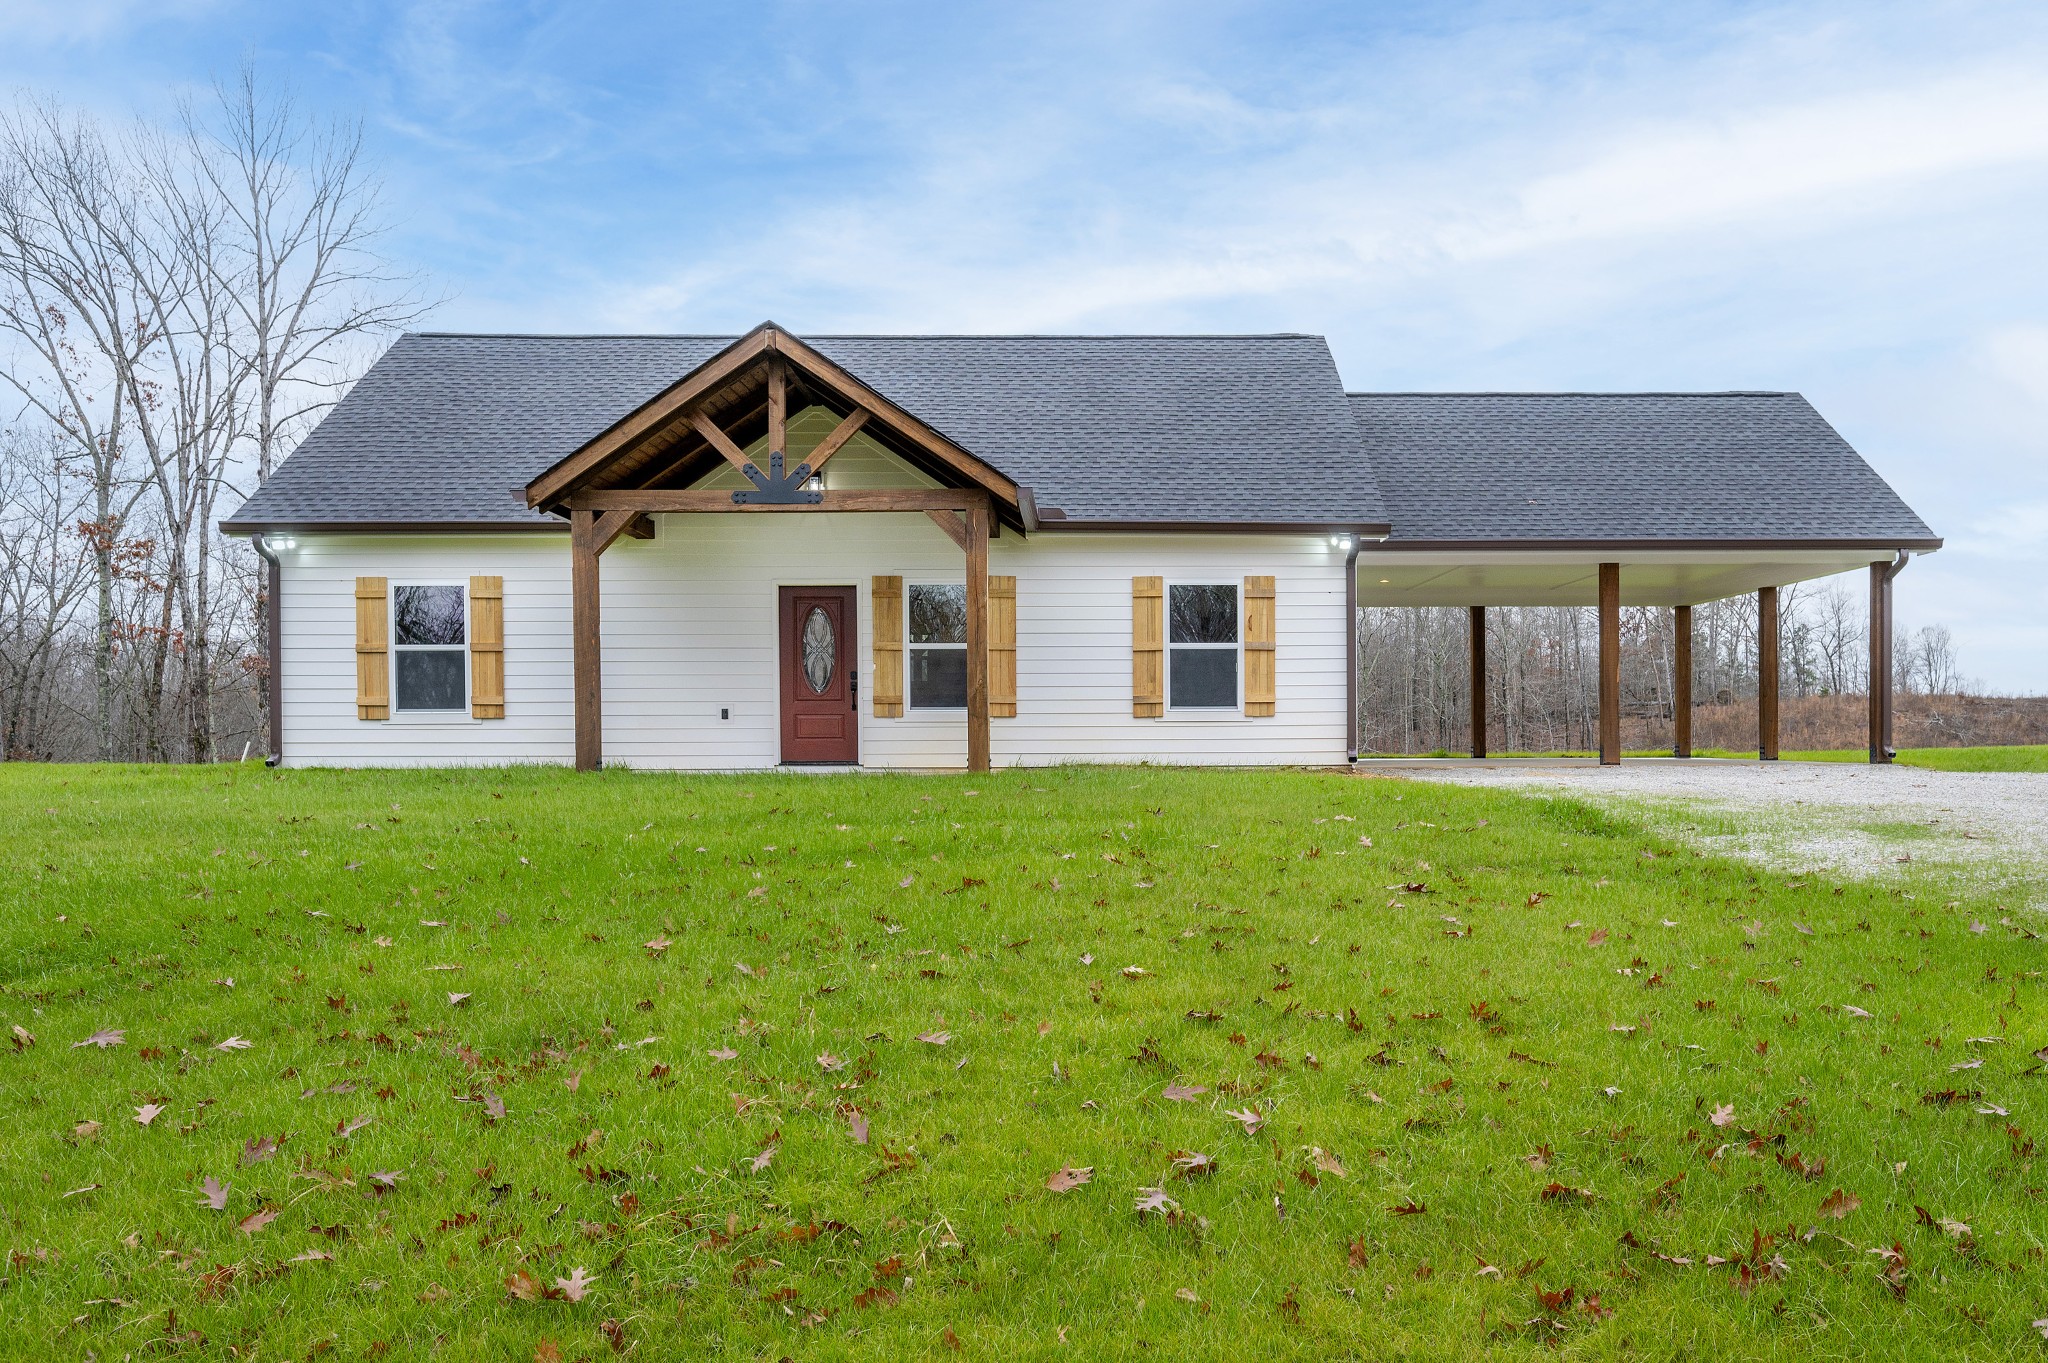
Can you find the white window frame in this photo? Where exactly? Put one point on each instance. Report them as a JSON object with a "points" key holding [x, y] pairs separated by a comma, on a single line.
{"points": [[1236, 649], [910, 705], [467, 710]]}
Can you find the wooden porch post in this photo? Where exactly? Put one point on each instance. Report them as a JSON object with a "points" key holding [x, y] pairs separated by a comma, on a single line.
{"points": [[1880, 687], [1681, 681], [590, 534], [1610, 664], [1478, 680], [589, 685], [1767, 674], [977, 635]]}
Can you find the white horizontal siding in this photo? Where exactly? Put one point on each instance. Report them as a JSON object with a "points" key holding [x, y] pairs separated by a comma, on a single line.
{"points": [[318, 641], [689, 628]]}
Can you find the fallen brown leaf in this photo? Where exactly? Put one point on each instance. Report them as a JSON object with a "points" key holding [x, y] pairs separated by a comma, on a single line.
{"points": [[1067, 1178]]}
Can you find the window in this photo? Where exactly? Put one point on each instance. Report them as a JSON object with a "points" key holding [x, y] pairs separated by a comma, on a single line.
{"points": [[938, 646], [1201, 635], [430, 652]]}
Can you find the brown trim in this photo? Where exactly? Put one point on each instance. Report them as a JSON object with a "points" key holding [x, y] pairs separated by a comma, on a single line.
{"points": [[1846, 545], [1374, 533], [699, 500], [522, 527], [1357, 532]]}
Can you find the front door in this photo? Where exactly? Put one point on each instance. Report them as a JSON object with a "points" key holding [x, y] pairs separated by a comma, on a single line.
{"points": [[820, 706]]}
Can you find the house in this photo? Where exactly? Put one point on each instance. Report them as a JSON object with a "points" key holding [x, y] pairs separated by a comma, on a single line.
{"points": [[943, 551]]}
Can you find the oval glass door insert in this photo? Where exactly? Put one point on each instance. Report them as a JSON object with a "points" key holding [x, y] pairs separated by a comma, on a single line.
{"points": [[818, 650]]}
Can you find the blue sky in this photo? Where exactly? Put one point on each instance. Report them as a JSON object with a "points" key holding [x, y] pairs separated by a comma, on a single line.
{"points": [[1846, 199]]}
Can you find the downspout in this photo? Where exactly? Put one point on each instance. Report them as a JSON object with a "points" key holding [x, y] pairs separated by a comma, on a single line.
{"points": [[1351, 650], [1898, 566], [273, 646]]}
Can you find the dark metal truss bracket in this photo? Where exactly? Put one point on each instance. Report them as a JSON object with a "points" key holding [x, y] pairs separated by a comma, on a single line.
{"points": [[774, 488]]}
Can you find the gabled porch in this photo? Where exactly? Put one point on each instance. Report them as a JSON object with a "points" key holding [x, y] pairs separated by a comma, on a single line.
{"points": [[753, 430]]}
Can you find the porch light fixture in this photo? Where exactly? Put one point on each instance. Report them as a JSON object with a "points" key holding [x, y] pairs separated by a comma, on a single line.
{"points": [[1342, 542], [283, 542], [816, 483]]}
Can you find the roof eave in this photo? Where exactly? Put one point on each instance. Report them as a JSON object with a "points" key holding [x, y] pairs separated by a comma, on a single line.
{"points": [[303, 526], [1874, 543], [1335, 526]]}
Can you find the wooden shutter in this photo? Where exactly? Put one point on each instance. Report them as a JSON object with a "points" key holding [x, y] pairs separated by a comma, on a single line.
{"points": [[373, 648], [1259, 633], [1002, 647], [1148, 647], [487, 647], [887, 682]]}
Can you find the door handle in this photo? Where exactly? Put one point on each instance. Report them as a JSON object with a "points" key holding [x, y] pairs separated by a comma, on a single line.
{"points": [[853, 688]]}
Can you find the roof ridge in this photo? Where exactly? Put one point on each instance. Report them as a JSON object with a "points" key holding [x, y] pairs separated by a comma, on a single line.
{"points": [[874, 336], [1587, 393]]}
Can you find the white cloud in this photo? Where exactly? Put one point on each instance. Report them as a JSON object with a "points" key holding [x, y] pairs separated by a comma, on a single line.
{"points": [[1807, 163]]}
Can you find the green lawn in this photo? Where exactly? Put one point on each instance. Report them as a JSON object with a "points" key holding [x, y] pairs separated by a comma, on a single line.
{"points": [[780, 1067]]}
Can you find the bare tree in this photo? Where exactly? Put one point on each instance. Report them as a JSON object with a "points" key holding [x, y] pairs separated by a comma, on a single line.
{"points": [[177, 308], [67, 219], [305, 217], [43, 581]]}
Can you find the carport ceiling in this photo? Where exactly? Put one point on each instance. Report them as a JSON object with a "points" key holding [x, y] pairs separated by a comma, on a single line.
{"points": [[1648, 578]]}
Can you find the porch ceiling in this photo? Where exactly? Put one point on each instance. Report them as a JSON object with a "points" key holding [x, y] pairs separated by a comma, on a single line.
{"points": [[1534, 578]]}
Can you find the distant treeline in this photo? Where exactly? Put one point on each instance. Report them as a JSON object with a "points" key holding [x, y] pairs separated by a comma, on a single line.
{"points": [[1542, 682]]}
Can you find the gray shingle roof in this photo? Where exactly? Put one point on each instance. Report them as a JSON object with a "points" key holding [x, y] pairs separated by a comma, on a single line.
{"points": [[1225, 429], [1466, 467], [1130, 429]]}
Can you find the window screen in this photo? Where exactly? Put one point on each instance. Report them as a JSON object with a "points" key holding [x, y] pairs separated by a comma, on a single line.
{"points": [[429, 646], [938, 646], [1202, 646]]}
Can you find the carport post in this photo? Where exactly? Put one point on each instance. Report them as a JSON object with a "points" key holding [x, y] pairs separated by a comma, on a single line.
{"points": [[1478, 680], [1681, 681], [1880, 688], [1767, 674], [1610, 664]]}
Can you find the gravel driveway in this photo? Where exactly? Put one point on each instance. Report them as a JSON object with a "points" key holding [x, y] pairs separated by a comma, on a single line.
{"points": [[1846, 818]]}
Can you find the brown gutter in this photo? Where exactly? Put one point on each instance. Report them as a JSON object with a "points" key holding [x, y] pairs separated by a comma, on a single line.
{"points": [[273, 647]]}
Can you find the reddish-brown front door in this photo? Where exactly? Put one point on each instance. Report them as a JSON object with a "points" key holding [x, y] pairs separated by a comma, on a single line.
{"points": [[820, 718]]}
